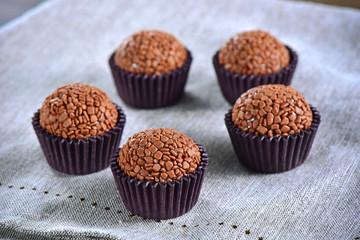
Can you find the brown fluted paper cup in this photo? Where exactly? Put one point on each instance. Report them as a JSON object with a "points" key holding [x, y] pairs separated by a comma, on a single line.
{"points": [[150, 91], [233, 85], [79, 156], [272, 154], [156, 200]]}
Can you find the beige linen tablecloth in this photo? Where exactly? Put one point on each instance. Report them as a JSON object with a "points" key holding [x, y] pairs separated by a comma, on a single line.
{"points": [[66, 41]]}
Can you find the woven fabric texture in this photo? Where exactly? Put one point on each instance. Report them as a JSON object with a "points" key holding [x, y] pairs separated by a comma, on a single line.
{"points": [[64, 41]]}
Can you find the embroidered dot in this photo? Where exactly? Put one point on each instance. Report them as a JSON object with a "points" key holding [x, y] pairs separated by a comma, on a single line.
{"points": [[170, 223], [260, 238], [94, 204], [207, 224], [82, 199], [234, 226], [21, 187], [33, 189], [196, 225], [57, 194], [46, 192], [247, 232], [10, 186], [70, 196], [131, 215], [183, 225], [221, 223], [107, 208], [157, 220], [119, 211]]}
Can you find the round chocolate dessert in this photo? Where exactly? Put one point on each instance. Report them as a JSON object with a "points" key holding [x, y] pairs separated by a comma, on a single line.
{"points": [[254, 52], [272, 110], [150, 52], [159, 173], [78, 128], [272, 128], [150, 69], [159, 154], [78, 111], [250, 59]]}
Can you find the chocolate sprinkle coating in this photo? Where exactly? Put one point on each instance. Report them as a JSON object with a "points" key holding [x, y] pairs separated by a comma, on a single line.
{"points": [[272, 110], [159, 154], [150, 52], [78, 111], [254, 52]]}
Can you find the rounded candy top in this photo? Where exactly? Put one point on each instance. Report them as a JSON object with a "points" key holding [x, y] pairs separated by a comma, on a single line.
{"points": [[150, 52], [78, 111], [254, 52], [272, 110], [159, 154]]}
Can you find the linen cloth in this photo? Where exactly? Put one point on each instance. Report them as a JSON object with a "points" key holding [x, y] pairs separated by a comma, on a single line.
{"points": [[64, 41]]}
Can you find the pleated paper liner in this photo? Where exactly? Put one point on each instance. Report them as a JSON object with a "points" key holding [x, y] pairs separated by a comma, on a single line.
{"points": [[82, 156], [156, 200], [272, 154], [150, 91], [233, 85]]}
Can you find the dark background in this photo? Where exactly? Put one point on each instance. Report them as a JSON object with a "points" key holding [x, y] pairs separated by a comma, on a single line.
{"points": [[10, 9]]}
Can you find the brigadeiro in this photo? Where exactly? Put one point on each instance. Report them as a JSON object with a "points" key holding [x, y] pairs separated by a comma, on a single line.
{"points": [[272, 128], [159, 173], [150, 69], [78, 128], [250, 59]]}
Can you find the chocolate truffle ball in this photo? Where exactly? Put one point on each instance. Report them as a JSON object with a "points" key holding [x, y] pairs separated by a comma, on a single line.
{"points": [[254, 52], [78, 111], [150, 52], [159, 154], [272, 110]]}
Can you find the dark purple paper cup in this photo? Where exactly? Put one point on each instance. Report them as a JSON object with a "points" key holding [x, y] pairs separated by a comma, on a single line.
{"points": [[79, 156], [156, 200], [272, 154], [234, 84], [150, 91]]}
